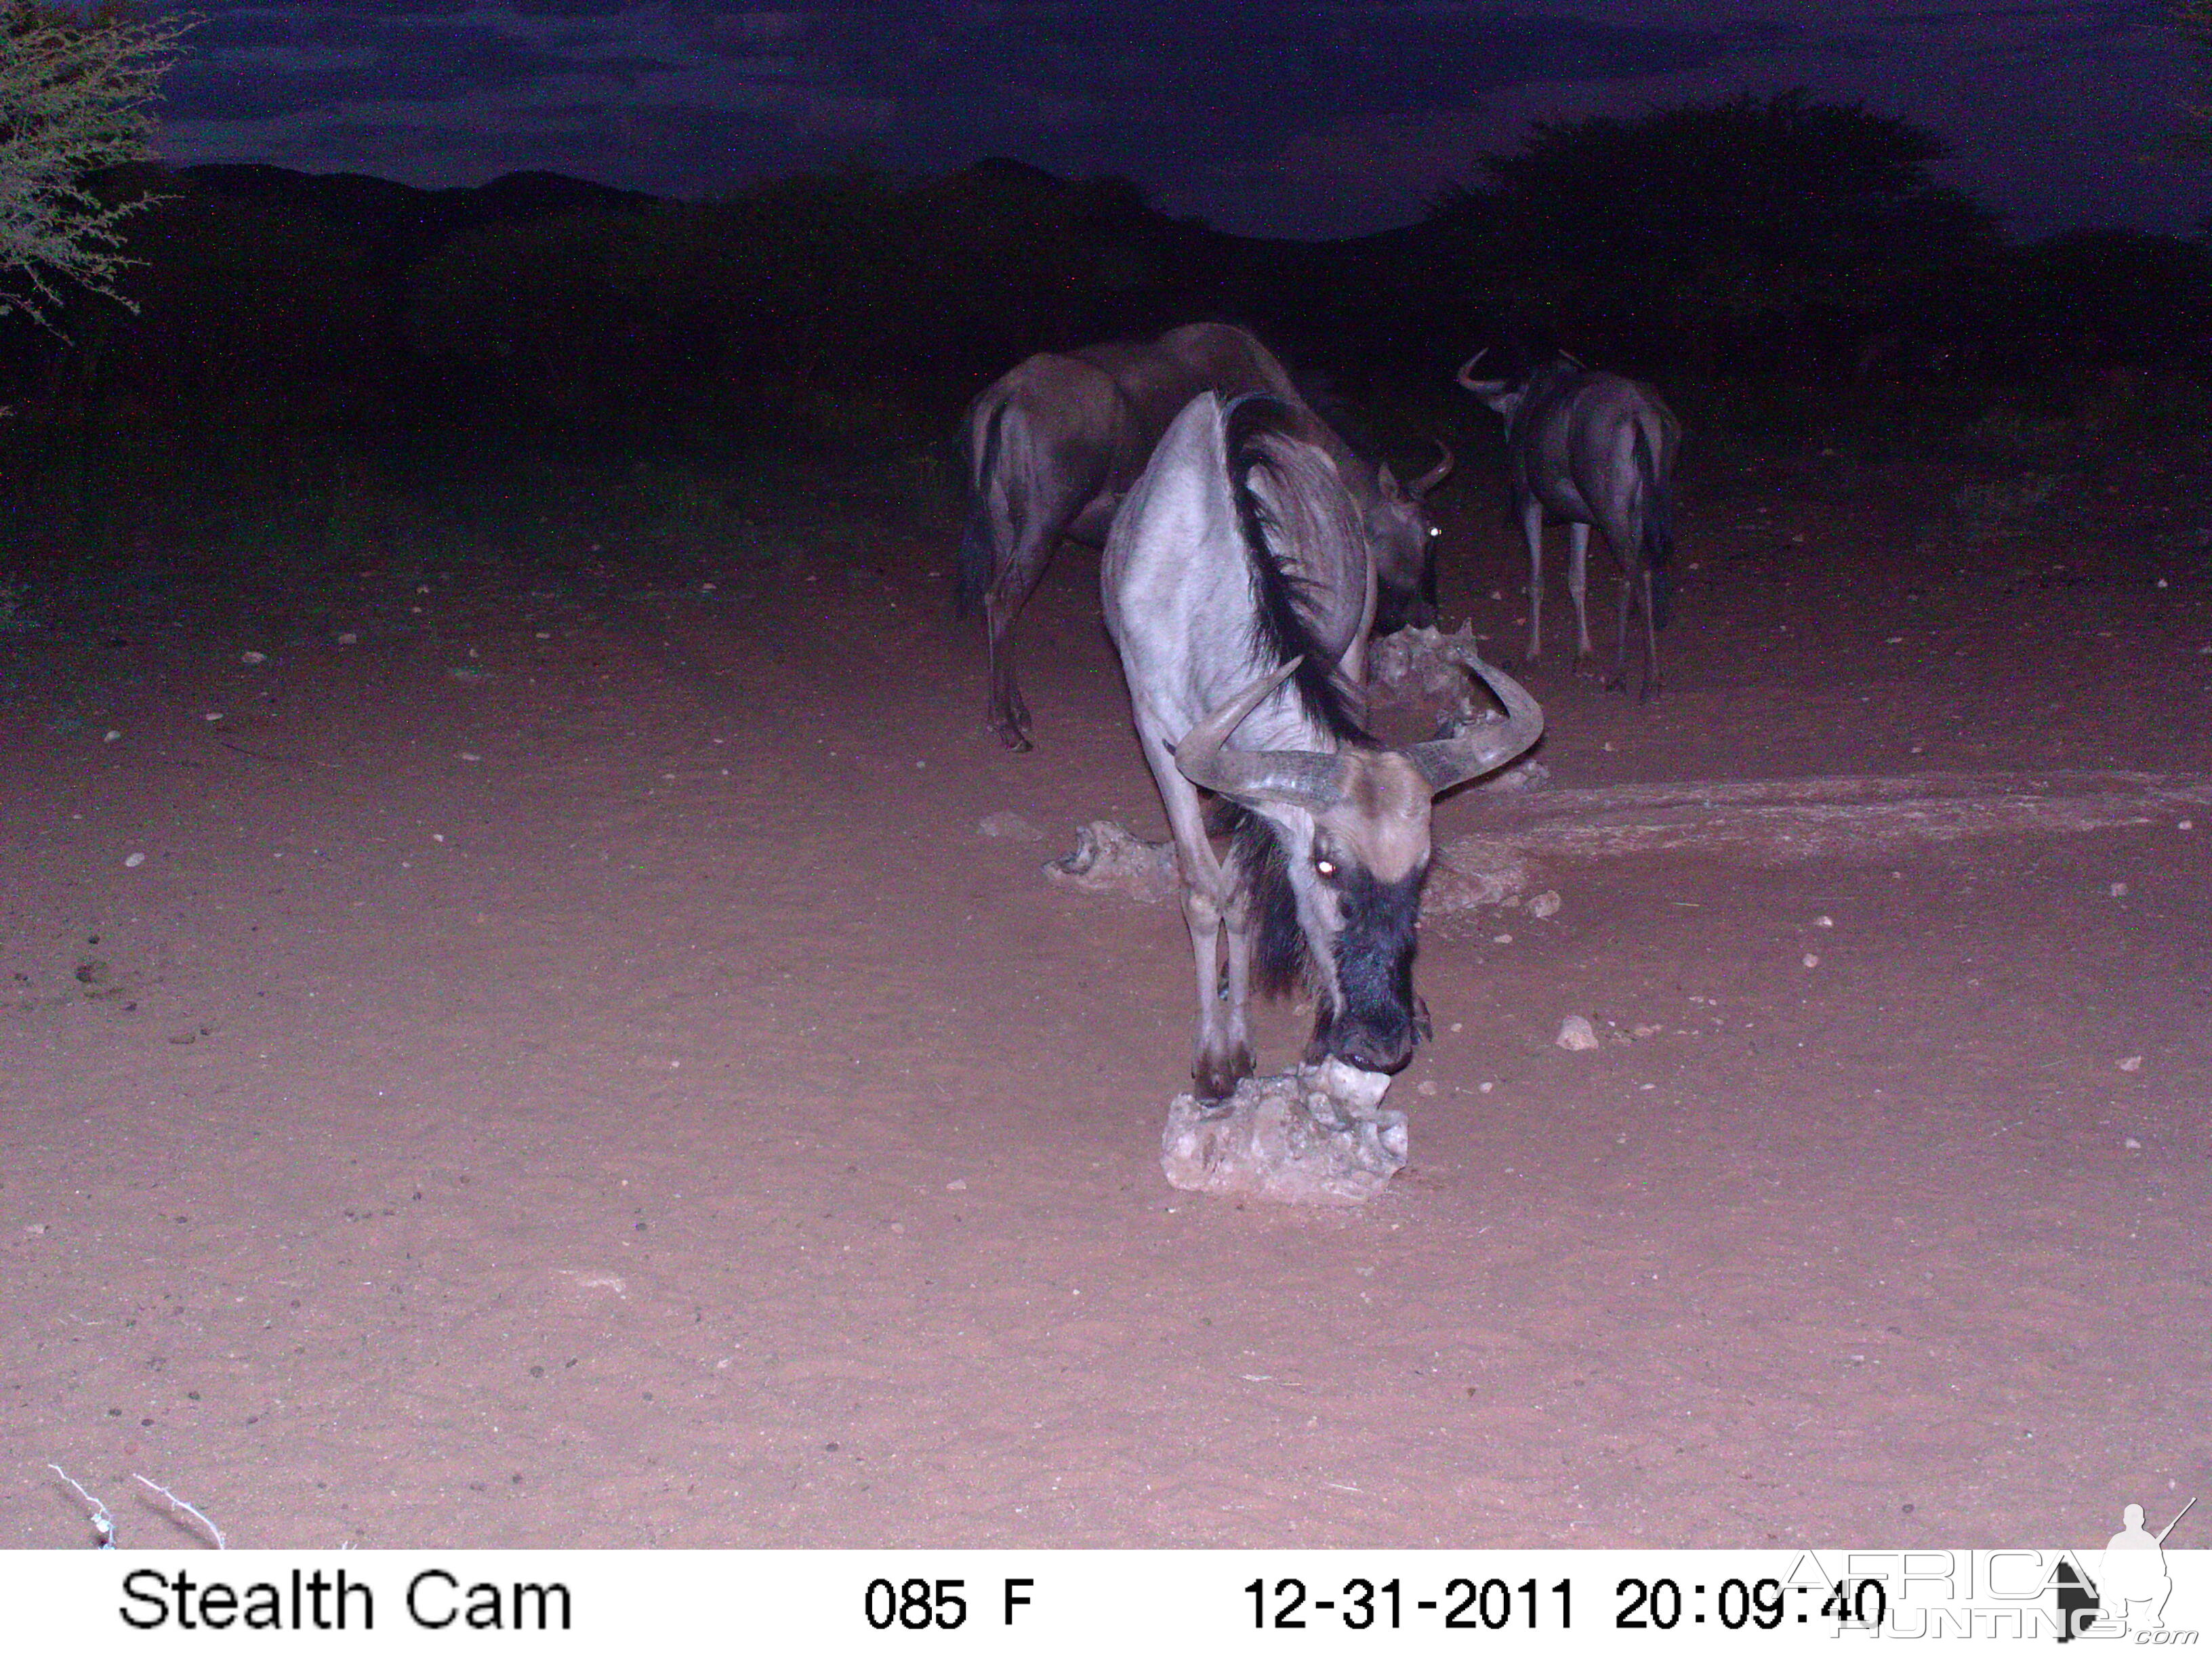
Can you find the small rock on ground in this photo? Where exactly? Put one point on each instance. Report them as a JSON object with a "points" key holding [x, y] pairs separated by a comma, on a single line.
{"points": [[1108, 859], [1008, 826], [1577, 1033]]}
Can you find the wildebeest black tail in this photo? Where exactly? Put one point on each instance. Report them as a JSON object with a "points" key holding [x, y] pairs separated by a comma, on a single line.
{"points": [[1658, 536], [972, 577], [978, 551]]}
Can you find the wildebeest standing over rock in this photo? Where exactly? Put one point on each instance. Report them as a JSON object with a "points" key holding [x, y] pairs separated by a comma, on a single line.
{"points": [[1589, 448], [1237, 591], [1054, 444]]}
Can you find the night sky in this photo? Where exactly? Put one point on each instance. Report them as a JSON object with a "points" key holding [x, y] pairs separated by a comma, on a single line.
{"points": [[1305, 118]]}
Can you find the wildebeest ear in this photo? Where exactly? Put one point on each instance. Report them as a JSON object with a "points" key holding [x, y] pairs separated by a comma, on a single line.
{"points": [[1392, 489]]}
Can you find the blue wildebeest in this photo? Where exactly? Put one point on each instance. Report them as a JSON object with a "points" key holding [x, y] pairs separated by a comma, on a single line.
{"points": [[1053, 444], [1590, 449], [1239, 592]]}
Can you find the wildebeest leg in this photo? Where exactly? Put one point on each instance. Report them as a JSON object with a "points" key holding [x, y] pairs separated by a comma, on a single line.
{"points": [[1579, 586], [1223, 1051], [1008, 713], [1532, 528], [1237, 981], [1635, 595], [1651, 686]]}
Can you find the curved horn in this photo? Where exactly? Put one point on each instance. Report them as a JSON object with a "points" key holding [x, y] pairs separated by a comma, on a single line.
{"points": [[1295, 777], [1436, 474], [1448, 761], [1466, 370]]}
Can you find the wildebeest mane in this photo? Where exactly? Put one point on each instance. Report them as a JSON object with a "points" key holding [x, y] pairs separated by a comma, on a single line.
{"points": [[1264, 434]]}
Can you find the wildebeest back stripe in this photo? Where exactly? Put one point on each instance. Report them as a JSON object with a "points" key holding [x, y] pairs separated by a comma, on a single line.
{"points": [[1255, 428]]}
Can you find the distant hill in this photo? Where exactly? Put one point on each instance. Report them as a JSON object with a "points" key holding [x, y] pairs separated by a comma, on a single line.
{"points": [[1331, 302], [397, 224]]}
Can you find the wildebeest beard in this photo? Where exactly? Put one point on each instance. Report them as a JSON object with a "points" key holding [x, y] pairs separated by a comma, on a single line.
{"points": [[1280, 965]]}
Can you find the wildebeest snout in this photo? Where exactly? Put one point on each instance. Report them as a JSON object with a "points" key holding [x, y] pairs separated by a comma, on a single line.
{"points": [[1372, 1045], [1397, 608]]}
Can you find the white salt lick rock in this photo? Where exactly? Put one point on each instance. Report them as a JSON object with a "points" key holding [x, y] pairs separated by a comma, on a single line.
{"points": [[1315, 1135]]}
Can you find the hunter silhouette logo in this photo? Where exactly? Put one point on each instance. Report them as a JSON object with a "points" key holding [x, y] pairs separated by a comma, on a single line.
{"points": [[2131, 1585]]}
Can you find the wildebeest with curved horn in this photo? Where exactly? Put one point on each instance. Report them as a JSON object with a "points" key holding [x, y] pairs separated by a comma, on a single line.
{"points": [[1590, 449], [1055, 443], [1239, 594]]}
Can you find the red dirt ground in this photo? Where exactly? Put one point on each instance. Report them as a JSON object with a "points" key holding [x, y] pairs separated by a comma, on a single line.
{"points": [[568, 1072]]}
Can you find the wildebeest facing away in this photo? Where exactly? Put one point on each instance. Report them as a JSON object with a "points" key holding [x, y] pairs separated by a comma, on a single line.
{"points": [[1239, 594], [1055, 443], [1590, 449]]}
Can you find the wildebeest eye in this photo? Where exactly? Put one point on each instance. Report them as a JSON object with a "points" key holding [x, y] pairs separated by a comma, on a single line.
{"points": [[1324, 867], [1435, 530]]}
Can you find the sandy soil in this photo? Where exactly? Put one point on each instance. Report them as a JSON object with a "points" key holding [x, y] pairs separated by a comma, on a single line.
{"points": [[567, 1071]]}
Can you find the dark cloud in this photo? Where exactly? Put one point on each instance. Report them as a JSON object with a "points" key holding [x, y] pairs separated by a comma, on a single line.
{"points": [[2104, 14], [1289, 60], [1312, 115], [573, 8], [1047, 79], [418, 63], [1294, 62], [254, 64]]}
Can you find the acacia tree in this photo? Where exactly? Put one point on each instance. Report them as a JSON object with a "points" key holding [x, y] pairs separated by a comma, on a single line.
{"points": [[76, 92], [1711, 230]]}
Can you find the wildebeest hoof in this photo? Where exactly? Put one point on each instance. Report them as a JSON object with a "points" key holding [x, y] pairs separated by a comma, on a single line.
{"points": [[1216, 1077], [1424, 1029], [1014, 737]]}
